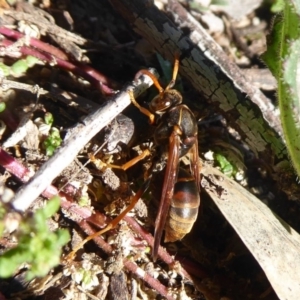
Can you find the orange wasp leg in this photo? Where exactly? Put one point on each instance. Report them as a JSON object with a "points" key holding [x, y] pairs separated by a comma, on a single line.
{"points": [[134, 200], [143, 110], [115, 221], [130, 163], [136, 159]]}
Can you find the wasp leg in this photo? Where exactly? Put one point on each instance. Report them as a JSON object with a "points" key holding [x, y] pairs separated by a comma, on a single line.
{"points": [[133, 161], [115, 221], [123, 167], [143, 110]]}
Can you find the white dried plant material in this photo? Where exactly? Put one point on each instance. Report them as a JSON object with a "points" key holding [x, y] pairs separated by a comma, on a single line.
{"points": [[102, 290], [26, 132], [273, 243], [126, 241], [85, 273], [115, 263], [160, 3], [145, 293], [111, 179], [214, 24], [209, 155], [2, 128], [237, 9], [11, 222], [73, 292], [239, 176], [31, 140], [141, 209], [183, 296], [43, 128], [6, 194], [29, 29]]}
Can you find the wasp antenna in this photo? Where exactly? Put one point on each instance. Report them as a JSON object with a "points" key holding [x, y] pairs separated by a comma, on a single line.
{"points": [[152, 76], [175, 72]]}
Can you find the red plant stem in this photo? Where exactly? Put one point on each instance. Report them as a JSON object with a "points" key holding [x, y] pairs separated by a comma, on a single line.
{"points": [[13, 166], [98, 240], [161, 289], [75, 211], [162, 253], [98, 80], [41, 46], [189, 266], [98, 219], [83, 215]]}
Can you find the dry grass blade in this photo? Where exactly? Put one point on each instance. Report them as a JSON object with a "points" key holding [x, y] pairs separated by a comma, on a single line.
{"points": [[273, 243]]}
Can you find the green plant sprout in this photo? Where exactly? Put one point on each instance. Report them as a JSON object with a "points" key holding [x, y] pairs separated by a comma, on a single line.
{"points": [[53, 140], [225, 166], [229, 164], [20, 67], [282, 57], [48, 118], [37, 245], [2, 106]]}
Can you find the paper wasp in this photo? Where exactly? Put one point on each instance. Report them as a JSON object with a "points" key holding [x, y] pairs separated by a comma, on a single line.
{"points": [[175, 135]]}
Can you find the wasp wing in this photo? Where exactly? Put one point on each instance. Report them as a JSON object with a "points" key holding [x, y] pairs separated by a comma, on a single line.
{"points": [[195, 164], [170, 179]]}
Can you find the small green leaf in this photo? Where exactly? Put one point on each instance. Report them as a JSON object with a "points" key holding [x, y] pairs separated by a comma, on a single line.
{"points": [[2, 106], [4, 69], [11, 260], [50, 150], [226, 167], [52, 142], [37, 246], [31, 61], [48, 118], [19, 68], [83, 201], [52, 207]]}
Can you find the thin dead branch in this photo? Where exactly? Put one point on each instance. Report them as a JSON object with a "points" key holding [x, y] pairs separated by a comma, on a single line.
{"points": [[80, 135]]}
